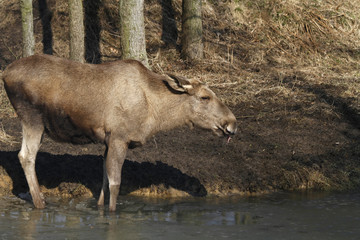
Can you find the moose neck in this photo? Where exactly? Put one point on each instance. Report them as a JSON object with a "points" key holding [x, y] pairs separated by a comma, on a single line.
{"points": [[172, 112]]}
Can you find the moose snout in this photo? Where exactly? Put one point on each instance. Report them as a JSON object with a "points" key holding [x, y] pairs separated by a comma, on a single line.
{"points": [[231, 128]]}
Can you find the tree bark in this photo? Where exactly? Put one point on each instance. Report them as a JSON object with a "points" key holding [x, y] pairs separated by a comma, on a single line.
{"points": [[191, 38], [27, 27], [77, 40], [132, 30]]}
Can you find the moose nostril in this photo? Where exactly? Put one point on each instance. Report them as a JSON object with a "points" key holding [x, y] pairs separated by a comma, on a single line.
{"points": [[230, 129]]}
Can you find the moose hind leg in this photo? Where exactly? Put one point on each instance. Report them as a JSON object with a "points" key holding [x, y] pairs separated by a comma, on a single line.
{"points": [[114, 161], [32, 135], [101, 200]]}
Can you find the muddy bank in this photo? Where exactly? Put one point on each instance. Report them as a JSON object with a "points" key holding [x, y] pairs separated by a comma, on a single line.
{"points": [[280, 146]]}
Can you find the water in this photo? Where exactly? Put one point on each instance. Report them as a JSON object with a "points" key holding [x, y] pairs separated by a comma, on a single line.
{"points": [[276, 216]]}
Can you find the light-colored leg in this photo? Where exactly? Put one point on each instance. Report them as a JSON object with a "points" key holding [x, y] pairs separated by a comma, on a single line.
{"points": [[114, 161], [105, 182], [32, 136]]}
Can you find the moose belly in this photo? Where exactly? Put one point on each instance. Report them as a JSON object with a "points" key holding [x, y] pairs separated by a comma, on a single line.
{"points": [[62, 128]]}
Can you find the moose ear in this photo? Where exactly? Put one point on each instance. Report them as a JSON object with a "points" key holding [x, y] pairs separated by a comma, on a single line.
{"points": [[179, 84]]}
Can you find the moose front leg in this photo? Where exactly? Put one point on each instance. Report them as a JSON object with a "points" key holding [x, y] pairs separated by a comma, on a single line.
{"points": [[115, 158]]}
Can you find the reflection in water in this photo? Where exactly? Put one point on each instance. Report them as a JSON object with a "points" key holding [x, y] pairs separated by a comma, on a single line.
{"points": [[277, 216]]}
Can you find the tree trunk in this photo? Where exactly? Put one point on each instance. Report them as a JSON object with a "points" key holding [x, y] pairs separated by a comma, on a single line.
{"points": [[46, 16], [191, 38], [27, 27], [77, 41], [133, 30]]}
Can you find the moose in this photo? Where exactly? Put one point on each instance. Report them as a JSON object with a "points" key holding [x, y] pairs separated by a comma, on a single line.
{"points": [[119, 104]]}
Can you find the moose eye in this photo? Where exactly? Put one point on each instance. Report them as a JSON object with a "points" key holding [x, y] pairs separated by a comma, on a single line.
{"points": [[206, 98]]}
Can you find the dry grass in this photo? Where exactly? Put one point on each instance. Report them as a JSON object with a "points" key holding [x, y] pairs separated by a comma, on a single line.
{"points": [[6, 138], [317, 38], [6, 110], [250, 46]]}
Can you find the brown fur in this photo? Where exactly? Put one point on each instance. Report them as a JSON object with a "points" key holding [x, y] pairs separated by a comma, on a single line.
{"points": [[119, 104]]}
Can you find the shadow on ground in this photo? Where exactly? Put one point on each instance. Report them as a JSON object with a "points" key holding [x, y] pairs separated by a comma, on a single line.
{"points": [[53, 171]]}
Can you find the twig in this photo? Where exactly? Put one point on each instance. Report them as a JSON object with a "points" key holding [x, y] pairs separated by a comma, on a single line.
{"points": [[16, 57], [223, 84]]}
